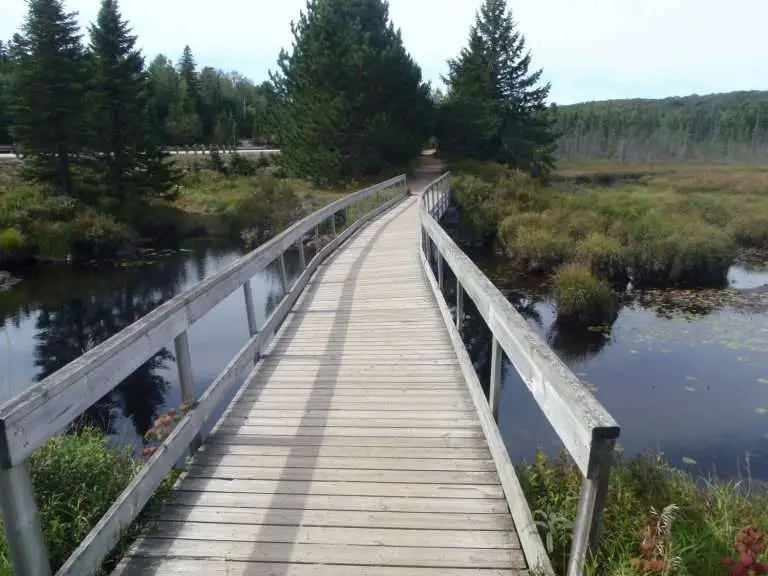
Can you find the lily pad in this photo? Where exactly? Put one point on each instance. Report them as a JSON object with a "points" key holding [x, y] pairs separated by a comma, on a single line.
{"points": [[761, 410], [690, 389], [762, 380], [689, 461], [691, 378]]}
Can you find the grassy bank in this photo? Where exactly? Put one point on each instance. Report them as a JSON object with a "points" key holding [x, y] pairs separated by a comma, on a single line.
{"points": [[76, 479], [214, 196], [656, 226], [697, 525]]}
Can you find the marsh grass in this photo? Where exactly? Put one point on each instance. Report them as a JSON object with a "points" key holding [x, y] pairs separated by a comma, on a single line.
{"points": [[76, 479], [581, 297], [710, 514]]}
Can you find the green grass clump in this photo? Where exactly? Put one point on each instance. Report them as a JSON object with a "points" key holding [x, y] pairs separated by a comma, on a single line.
{"points": [[11, 241], [535, 246], [710, 514], [604, 255], [76, 478], [581, 297]]}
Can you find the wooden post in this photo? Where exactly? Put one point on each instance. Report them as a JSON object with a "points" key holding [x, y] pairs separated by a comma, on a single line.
{"points": [[283, 274], [186, 380], [302, 256], [22, 523], [459, 305], [594, 490], [250, 310], [333, 225], [317, 239], [440, 275], [495, 387]]}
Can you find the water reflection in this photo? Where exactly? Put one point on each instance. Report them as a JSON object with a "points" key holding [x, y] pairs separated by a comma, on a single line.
{"points": [[682, 371], [57, 313]]}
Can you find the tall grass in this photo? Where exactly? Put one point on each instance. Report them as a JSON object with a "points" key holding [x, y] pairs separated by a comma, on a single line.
{"points": [[709, 517], [76, 478], [673, 227]]}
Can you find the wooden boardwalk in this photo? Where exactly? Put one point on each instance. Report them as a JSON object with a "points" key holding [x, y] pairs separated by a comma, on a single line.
{"points": [[354, 448]]}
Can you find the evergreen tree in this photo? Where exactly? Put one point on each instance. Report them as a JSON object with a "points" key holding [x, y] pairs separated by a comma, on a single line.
{"points": [[352, 99], [6, 70], [129, 161], [492, 75], [48, 107]]}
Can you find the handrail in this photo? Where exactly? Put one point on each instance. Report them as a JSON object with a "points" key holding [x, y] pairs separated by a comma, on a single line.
{"points": [[584, 426], [42, 411]]}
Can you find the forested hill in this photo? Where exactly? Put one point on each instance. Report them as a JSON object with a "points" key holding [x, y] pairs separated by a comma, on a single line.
{"points": [[731, 126]]}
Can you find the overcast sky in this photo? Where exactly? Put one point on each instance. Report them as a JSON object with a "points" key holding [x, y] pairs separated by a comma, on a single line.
{"points": [[589, 49]]}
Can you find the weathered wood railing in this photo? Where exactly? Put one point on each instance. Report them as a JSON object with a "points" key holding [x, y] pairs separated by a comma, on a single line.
{"points": [[48, 407], [584, 426]]}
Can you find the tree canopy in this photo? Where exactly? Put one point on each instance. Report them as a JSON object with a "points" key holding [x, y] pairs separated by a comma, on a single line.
{"points": [[730, 126], [352, 99], [496, 107]]}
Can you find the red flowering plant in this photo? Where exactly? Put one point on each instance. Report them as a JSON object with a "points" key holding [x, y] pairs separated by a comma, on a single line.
{"points": [[749, 545], [163, 427]]}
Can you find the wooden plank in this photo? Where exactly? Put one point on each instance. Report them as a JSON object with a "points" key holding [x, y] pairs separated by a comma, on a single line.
{"points": [[251, 411], [183, 497], [343, 518], [267, 420], [228, 567], [342, 488], [336, 535], [359, 404], [361, 453], [344, 463], [323, 432], [330, 554], [313, 475], [387, 442]]}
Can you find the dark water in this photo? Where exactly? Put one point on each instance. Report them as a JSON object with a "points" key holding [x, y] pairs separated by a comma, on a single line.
{"points": [[685, 373], [57, 313]]}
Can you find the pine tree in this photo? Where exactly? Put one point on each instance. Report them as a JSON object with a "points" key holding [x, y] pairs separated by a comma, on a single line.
{"points": [[514, 124], [129, 162], [48, 94], [352, 99], [6, 70]]}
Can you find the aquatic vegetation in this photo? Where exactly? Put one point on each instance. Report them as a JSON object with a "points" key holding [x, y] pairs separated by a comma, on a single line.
{"points": [[677, 227], [657, 519], [581, 297]]}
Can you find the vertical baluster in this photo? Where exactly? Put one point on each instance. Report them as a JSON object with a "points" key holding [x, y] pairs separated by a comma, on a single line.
{"points": [[459, 306], [440, 275], [495, 388], [594, 490], [284, 274], [317, 239], [333, 225], [302, 255], [250, 309], [186, 380], [21, 520]]}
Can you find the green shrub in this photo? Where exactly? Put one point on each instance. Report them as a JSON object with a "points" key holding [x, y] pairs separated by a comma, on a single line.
{"points": [[663, 251], [581, 297], [270, 207], [604, 255], [535, 247], [76, 479], [750, 230], [11, 241], [710, 514]]}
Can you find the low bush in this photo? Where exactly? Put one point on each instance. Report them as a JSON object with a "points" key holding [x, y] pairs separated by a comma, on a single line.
{"points": [[604, 255], [76, 478], [703, 520], [537, 249], [270, 206], [581, 297], [11, 242]]}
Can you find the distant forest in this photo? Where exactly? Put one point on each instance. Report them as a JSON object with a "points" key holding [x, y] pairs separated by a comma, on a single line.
{"points": [[728, 127]]}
